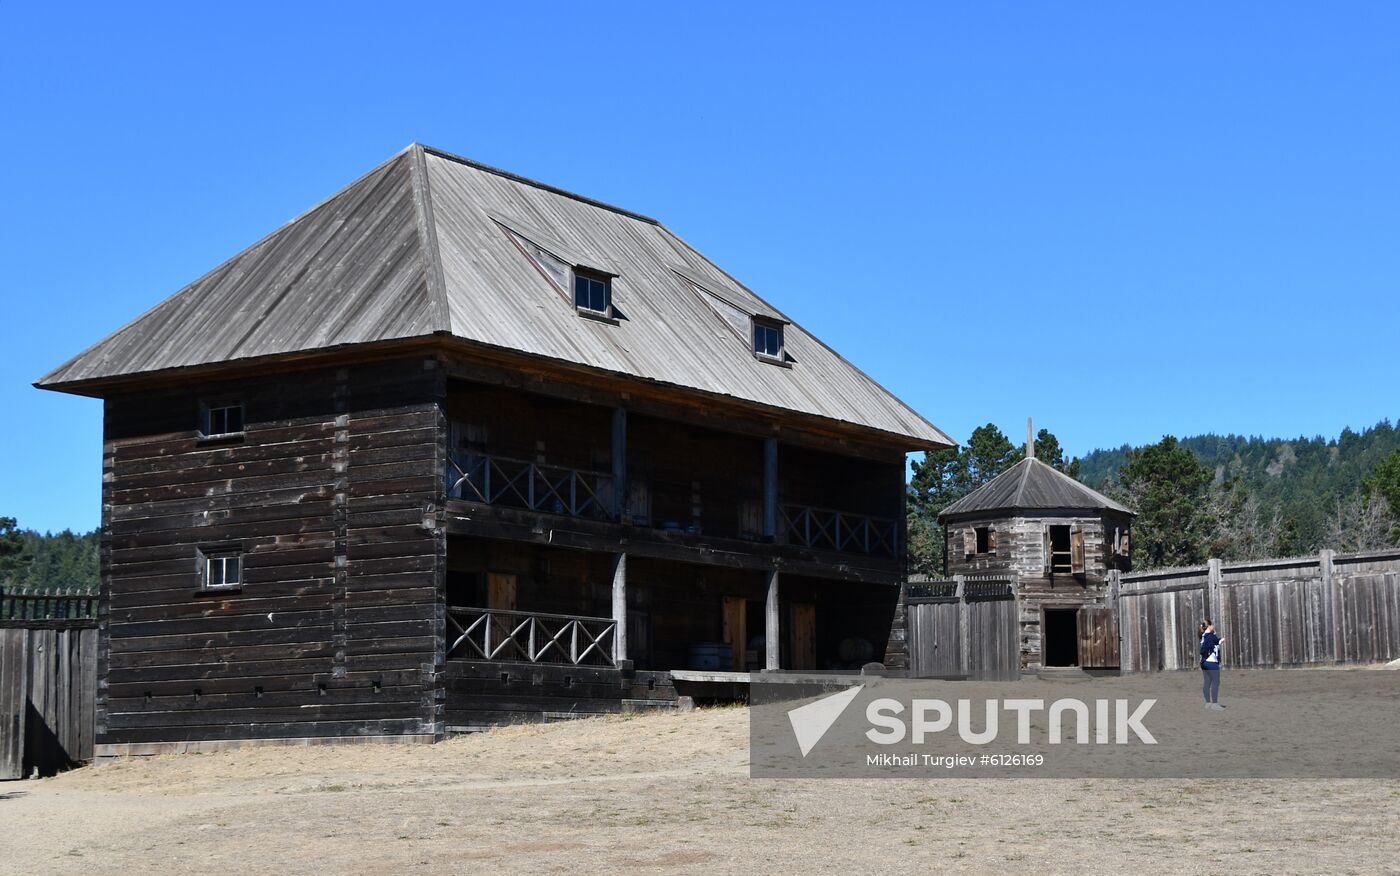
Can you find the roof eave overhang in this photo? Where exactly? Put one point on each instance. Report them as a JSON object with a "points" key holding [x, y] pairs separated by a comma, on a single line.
{"points": [[1001, 513], [107, 386]]}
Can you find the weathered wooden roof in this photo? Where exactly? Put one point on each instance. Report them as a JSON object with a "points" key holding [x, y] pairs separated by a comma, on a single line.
{"points": [[1030, 485], [430, 244]]}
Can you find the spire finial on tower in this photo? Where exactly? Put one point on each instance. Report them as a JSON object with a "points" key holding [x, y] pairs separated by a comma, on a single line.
{"points": [[1030, 440]]}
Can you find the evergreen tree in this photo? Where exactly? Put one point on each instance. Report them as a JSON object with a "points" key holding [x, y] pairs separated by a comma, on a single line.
{"points": [[935, 484], [1048, 451], [987, 454], [13, 555], [945, 476], [1381, 488], [1169, 488], [66, 561]]}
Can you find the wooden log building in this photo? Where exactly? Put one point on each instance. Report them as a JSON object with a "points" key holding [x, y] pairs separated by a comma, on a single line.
{"points": [[1057, 539], [456, 448]]}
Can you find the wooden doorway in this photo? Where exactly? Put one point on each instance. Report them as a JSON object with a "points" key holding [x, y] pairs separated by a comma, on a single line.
{"points": [[500, 591], [804, 635], [736, 615], [1059, 637]]}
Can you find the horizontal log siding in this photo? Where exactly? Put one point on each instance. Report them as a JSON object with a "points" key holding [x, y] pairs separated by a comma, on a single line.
{"points": [[336, 629]]}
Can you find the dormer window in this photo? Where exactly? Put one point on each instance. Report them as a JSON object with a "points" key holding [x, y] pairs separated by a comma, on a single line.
{"points": [[767, 339], [592, 292]]}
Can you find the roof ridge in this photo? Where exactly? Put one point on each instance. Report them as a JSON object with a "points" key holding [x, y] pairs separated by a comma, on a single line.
{"points": [[441, 315], [515, 177], [1025, 476]]}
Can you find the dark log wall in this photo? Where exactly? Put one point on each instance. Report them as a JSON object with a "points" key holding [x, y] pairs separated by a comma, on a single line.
{"points": [[332, 495]]}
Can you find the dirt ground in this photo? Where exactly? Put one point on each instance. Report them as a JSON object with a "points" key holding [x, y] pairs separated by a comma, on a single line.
{"points": [[662, 792]]}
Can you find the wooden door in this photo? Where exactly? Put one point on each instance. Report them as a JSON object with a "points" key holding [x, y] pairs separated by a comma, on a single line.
{"points": [[736, 616], [1098, 638], [500, 591], [804, 636], [1076, 551]]}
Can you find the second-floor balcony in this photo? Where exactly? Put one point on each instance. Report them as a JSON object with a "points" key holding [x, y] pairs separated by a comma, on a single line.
{"points": [[580, 493], [518, 450], [531, 486], [830, 530]]}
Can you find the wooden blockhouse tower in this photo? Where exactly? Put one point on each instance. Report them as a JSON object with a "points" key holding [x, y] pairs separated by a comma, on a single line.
{"points": [[1057, 539]]}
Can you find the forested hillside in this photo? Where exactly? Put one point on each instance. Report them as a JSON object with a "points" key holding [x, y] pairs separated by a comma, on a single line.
{"points": [[47, 561], [1230, 497], [1305, 487]]}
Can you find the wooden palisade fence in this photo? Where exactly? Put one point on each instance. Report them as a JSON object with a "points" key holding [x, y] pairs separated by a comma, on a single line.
{"points": [[1292, 612], [964, 627], [48, 680]]}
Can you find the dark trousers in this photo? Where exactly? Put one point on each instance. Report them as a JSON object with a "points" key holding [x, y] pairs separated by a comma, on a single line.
{"points": [[1210, 685]]}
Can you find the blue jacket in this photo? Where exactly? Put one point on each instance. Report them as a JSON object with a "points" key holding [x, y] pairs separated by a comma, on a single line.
{"points": [[1210, 647]]}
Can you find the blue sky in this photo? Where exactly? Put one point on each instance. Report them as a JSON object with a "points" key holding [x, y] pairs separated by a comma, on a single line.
{"points": [[1126, 221]]}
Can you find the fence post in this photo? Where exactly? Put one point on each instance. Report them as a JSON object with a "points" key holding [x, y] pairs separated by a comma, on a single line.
{"points": [[1334, 603], [1213, 576], [964, 646]]}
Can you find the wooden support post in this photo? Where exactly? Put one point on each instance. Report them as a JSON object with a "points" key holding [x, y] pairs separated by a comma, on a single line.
{"points": [[1335, 613], [770, 489], [1213, 606], [619, 464], [772, 634], [619, 607]]}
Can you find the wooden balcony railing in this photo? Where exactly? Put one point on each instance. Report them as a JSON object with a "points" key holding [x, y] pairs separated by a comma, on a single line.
{"points": [[529, 637], [828, 530], [518, 483]]}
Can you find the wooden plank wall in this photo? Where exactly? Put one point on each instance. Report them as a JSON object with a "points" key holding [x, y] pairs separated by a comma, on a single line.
{"points": [[935, 639], [333, 495], [976, 638], [1271, 613], [48, 682]]}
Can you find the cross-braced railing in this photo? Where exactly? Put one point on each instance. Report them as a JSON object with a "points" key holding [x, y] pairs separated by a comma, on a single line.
{"points": [[829, 530], [519, 483], [529, 637]]}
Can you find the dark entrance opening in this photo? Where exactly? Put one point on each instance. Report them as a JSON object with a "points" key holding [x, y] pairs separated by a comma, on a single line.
{"points": [[1059, 640]]}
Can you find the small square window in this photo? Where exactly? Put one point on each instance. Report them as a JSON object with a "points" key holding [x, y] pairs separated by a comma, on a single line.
{"points": [[592, 292], [221, 570], [984, 540], [223, 420], [768, 339]]}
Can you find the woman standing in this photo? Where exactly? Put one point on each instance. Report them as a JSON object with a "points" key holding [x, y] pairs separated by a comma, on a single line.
{"points": [[1210, 665]]}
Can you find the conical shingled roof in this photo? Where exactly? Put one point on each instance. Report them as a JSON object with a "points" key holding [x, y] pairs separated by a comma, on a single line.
{"points": [[423, 246], [1030, 485]]}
